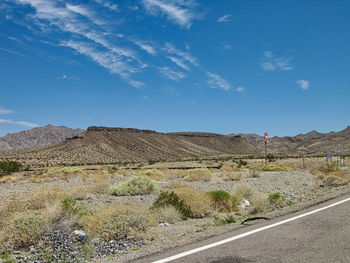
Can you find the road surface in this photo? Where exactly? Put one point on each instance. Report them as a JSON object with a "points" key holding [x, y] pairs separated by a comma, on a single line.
{"points": [[319, 236]]}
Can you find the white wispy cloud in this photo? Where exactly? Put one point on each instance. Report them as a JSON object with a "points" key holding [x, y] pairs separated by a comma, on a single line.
{"points": [[171, 49], [179, 11], [272, 63], [22, 123], [224, 19], [227, 46], [146, 46], [179, 62], [11, 52], [4, 111], [241, 89], [216, 81], [171, 74], [109, 5], [303, 84], [105, 51], [108, 60]]}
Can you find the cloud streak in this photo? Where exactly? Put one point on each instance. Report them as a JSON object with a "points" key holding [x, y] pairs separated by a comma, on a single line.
{"points": [[218, 82], [171, 74], [4, 111], [224, 19], [272, 63], [22, 123], [178, 11]]}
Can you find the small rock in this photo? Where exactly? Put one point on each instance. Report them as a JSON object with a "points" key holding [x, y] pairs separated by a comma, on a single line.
{"points": [[245, 203], [164, 224], [79, 235]]}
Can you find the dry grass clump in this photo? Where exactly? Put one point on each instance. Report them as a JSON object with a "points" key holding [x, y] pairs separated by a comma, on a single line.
{"points": [[331, 175], [198, 174], [255, 173], [244, 191], [138, 185], [230, 176], [230, 168], [174, 173], [114, 222], [259, 204], [199, 202], [154, 174], [175, 184], [10, 179], [24, 218], [168, 214], [275, 167]]}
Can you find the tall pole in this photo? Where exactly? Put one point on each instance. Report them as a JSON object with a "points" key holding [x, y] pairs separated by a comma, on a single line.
{"points": [[265, 151]]}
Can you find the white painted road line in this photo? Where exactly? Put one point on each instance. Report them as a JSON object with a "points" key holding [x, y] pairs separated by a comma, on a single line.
{"points": [[196, 250]]}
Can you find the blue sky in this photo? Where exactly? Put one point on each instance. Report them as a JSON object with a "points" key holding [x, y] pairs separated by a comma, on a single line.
{"points": [[216, 66]]}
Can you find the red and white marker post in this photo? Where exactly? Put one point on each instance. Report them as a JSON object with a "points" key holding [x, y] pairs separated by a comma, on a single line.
{"points": [[266, 141]]}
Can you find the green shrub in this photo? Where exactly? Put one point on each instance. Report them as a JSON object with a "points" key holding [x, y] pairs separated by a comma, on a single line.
{"points": [[276, 167], [70, 207], [138, 185], [171, 198], [8, 167], [270, 157], [275, 198], [229, 219], [242, 163], [223, 201]]}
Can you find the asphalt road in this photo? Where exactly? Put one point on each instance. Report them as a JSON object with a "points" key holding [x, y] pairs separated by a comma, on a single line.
{"points": [[320, 237]]}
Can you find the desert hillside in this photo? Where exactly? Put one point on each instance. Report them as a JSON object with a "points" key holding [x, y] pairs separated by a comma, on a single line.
{"points": [[109, 145], [37, 137]]}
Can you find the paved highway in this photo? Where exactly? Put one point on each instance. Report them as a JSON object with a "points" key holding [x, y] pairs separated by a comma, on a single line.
{"points": [[318, 234]]}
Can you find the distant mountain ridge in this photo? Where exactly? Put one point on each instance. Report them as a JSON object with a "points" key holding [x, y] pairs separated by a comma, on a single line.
{"points": [[310, 143], [113, 145], [37, 137]]}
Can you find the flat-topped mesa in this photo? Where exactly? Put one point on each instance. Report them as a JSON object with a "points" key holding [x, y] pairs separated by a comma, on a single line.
{"points": [[118, 129], [195, 134]]}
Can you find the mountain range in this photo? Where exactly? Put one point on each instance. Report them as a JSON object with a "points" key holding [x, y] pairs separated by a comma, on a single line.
{"points": [[56, 145]]}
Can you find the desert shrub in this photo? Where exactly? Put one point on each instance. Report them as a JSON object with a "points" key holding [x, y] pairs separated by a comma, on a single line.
{"points": [[71, 208], [244, 191], [138, 185], [332, 180], [154, 174], [255, 173], [41, 197], [175, 184], [6, 258], [199, 202], [270, 157], [71, 170], [116, 222], [259, 204], [9, 178], [166, 199], [21, 231], [111, 169], [329, 167], [198, 174], [223, 201], [275, 198], [168, 214], [242, 163], [278, 167], [8, 167], [230, 176], [229, 168]]}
